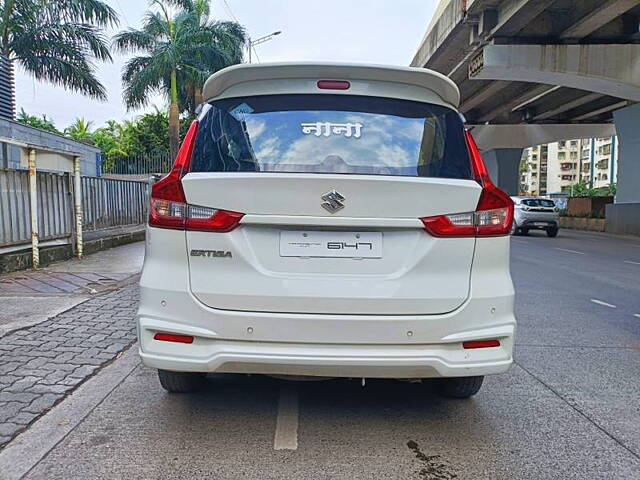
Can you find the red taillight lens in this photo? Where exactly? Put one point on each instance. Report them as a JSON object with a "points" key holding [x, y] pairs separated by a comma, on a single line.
{"points": [[493, 215], [204, 219], [481, 344], [172, 337], [169, 208], [333, 85]]}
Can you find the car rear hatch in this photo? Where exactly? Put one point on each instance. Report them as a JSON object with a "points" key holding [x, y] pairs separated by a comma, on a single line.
{"points": [[332, 198], [320, 205]]}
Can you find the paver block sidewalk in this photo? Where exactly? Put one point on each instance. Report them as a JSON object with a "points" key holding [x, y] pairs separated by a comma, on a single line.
{"points": [[39, 365], [52, 282]]}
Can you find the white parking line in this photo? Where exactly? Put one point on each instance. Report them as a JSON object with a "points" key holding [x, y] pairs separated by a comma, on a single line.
{"points": [[604, 304], [632, 263], [636, 315], [286, 436], [570, 251]]}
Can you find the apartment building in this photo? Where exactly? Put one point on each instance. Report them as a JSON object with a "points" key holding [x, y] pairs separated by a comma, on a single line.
{"points": [[534, 170], [565, 163]]}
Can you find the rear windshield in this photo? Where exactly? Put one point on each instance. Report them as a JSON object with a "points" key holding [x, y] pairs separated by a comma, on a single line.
{"points": [[538, 202], [331, 134]]}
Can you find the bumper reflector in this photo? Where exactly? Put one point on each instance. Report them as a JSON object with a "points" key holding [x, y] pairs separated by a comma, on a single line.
{"points": [[172, 337], [481, 344]]}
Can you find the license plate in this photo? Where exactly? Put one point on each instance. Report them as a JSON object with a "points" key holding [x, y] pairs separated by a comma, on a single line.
{"points": [[540, 224], [331, 244]]}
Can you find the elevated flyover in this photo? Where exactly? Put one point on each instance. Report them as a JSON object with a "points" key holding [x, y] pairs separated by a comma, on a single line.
{"points": [[536, 71]]}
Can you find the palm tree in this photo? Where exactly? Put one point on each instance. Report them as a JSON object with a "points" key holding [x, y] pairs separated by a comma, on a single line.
{"points": [[179, 49], [80, 130], [220, 44], [55, 40], [43, 123]]}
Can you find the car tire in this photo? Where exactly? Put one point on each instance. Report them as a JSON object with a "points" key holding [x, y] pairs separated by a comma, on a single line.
{"points": [[524, 231], [552, 232], [514, 229], [459, 387], [180, 382]]}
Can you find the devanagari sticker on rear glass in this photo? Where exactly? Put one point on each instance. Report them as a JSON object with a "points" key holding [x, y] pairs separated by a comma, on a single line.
{"points": [[240, 112], [326, 129]]}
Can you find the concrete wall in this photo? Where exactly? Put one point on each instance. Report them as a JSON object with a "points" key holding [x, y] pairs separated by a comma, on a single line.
{"points": [[12, 156]]}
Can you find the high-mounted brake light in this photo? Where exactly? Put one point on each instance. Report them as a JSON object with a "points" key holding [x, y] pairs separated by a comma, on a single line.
{"points": [[333, 85], [493, 215], [169, 207]]}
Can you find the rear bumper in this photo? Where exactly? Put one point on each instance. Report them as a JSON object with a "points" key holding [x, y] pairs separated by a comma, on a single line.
{"points": [[536, 220], [361, 346], [370, 361], [384, 346]]}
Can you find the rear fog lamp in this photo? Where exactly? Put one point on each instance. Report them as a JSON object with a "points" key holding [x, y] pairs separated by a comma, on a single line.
{"points": [[172, 337], [480, 344]]}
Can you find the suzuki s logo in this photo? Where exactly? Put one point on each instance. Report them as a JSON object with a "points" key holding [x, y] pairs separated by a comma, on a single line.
{"points": [[332, 201]]}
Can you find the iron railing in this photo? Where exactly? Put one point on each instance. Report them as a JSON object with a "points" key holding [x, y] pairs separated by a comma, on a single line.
{"points": [[105, 203], [112, 203], [136, 165], [54, 202]]}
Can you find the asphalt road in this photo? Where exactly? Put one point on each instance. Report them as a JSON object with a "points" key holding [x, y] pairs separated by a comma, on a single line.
{"points": [[568, 409]]}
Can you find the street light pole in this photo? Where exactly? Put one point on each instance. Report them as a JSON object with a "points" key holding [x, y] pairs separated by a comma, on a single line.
{"points": [[258, 41]]}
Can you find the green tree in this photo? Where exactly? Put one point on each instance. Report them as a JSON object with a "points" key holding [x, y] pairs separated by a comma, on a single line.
{"points": [[55, 41], [80, 130], [220, 44], [148, 134], [43, 123], [110, 140], [178, 49]]}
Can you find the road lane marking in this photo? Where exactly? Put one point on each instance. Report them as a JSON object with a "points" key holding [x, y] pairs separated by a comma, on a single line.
{"points": [[286, 436], [604, 304], [636, 315], [570, 251], [632, 263]]}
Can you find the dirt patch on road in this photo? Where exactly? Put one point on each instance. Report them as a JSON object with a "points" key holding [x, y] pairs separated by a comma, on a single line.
{"points": [[434, 468]]}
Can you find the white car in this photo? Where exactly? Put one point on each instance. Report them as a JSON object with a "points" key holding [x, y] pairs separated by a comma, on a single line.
{"points": [[535, 213], [328, 220]]}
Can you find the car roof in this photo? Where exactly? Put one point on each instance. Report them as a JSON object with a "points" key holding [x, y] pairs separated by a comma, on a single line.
{"points": [[226, 78]]}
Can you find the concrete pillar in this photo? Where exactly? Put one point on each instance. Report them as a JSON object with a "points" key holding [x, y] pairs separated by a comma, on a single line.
{"points": [[503, 165], [624, 215]]}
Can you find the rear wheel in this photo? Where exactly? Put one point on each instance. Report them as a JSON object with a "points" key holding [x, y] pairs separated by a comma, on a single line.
{"points": [[459, 387], [181, 382], [552, 232]]}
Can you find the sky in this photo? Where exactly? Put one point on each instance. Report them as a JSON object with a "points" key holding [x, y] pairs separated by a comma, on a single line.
{"points": [[371, 31]]}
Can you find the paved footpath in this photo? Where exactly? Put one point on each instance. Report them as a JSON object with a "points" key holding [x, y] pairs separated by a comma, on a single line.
{"points": [[42, 363], [30, 297]]}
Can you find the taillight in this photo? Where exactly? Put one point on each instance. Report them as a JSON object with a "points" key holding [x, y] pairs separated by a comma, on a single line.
{"points": [[493, 214], [169, 207]]}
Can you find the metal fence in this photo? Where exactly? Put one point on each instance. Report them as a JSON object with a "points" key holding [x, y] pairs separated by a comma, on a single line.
{"points": [[111, 203], [54, 203], [136, 165], [106, 204]]}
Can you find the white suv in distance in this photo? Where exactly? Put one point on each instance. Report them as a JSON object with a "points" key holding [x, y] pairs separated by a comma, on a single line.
{"points": [[328, 220], [535, 213]]}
